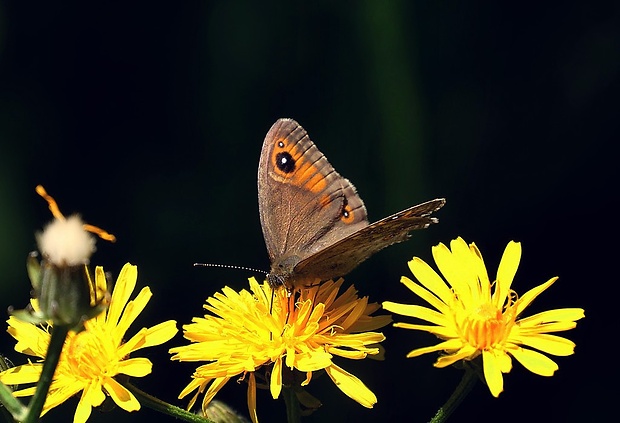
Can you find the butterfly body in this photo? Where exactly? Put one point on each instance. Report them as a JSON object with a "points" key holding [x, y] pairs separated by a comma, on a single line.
{"points": [[314, 223]]}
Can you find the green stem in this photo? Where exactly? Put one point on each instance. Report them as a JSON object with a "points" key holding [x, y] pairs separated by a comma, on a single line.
{"points": [[467, 382], [59, 333], [293, 412], [12, 404], [164, 407]]}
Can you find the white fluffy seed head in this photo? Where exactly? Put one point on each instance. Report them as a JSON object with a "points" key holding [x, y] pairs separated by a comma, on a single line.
{"points": [[65, 242]]}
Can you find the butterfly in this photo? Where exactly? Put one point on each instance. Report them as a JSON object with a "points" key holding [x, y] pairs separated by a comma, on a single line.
{"points": [[314, 223]]}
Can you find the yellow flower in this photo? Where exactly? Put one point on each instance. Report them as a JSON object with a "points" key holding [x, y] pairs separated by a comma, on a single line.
{"points": [[474, 316], [92, 358], [302, 331]]}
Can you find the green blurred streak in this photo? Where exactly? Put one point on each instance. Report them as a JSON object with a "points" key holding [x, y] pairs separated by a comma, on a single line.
{"points": [[393, 83]]}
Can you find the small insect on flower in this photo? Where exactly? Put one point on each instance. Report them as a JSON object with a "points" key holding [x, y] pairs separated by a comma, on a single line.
{"points": [[475, 317], [67, 241], [60, 281]]}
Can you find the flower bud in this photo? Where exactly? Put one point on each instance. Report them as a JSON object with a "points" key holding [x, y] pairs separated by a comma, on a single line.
{"points": [[220, 412], [64, 291]]}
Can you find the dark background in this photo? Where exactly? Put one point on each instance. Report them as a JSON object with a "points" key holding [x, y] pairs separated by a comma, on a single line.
{"points": [[148, 119]]}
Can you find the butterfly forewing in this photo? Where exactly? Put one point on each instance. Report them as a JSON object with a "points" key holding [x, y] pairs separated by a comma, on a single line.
{"points": [[301, 197]]}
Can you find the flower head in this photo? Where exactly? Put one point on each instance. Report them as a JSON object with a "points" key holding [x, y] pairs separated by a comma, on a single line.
{"points": [[60, 281], [476, 317], [301, 332], [67, 241], [91, 359]]}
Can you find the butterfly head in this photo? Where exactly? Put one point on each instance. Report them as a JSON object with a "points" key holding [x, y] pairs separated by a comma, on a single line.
{"points": [[282, 270]]}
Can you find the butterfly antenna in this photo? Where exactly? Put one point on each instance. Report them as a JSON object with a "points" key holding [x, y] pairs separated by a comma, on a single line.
{"points": [[230, 266]]}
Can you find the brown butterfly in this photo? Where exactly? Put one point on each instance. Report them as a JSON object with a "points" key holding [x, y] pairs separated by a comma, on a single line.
{"points": [[314, 222]]}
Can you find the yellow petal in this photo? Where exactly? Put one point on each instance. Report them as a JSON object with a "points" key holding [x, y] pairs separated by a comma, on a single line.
{"points": [[131, 313], [354, 315], [195, 383], [101, 286], [448, 266], [28, 392], [370, 323], [214, 388], [531, 295], [546, 343], [467, 262], [463, 352], [416, 311], [504, 362], [135, 367], [317, 360], [101, 283], [94, 393], [351, 386], [307, 380], [252, 398], [59, 393], [557, 315], [508, 266], [121, 396], [548, 328], [353, 355], [161, 333], [89, 394], [125, 285], [83, 410], [20, 375], [492, 372], [451, 344], [481, 271], [426, 295], [31, 339], [534, 361], [430, 279], [155, 335], [275, 384], [355, 340]]}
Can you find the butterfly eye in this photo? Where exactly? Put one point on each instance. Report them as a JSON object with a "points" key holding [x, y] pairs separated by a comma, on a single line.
{"points": [[347, 214], [285, 162]]}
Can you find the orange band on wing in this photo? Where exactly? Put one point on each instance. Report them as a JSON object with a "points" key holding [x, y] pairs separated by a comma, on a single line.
{"points": [[289, 164], [325, 200]]}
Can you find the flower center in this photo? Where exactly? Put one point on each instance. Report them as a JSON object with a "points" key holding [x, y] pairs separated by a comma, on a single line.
{"points": [[486, 327], [87, 357]]}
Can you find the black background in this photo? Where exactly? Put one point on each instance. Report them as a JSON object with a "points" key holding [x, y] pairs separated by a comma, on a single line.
{"points": [[148, 118]]}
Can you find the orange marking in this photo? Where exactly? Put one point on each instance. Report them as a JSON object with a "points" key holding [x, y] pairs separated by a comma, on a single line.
{"points": [[99, 232], [53, 206], [295, 152], [347, 214], [306, 175], [324, 201], [317, 182]]}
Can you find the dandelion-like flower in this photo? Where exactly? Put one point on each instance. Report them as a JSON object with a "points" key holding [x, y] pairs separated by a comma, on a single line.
{"points": [[91, 359], [476, 317], [67, 241], [303, 331], [60, 281]]}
